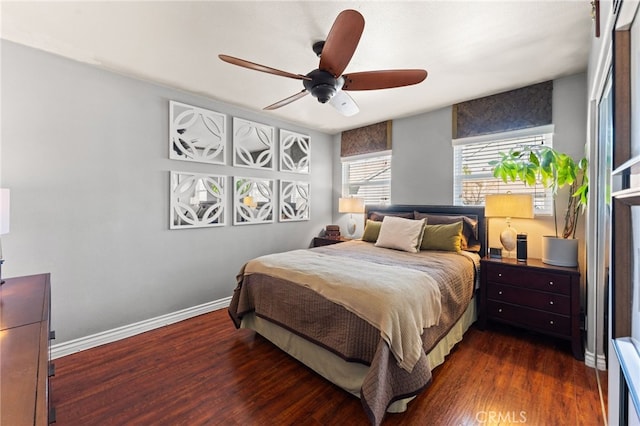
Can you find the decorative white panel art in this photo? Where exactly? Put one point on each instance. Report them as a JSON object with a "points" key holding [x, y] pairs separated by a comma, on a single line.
{"points": [[294, 201], [253, 144], [196, 134], [252, 200], [197, 200], [295, 155]]}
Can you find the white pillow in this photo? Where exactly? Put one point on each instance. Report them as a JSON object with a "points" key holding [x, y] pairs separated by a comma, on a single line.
{"points": [[401, 234]]}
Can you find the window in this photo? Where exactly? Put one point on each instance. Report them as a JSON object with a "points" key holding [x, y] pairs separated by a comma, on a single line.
{"points": [[368, 177], [472, 178]]}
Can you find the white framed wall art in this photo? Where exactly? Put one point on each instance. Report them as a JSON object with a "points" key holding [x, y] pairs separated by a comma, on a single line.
{"points": [[295, 154], [196, 134], [253, 200], [253, 144], [197, 200], [294, 201]]}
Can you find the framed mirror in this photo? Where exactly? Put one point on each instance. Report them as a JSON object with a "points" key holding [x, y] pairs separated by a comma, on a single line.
{"points": [[295, 155], [253, 144], [252, 200], [197, 200], [294, 201], [196, 134]]}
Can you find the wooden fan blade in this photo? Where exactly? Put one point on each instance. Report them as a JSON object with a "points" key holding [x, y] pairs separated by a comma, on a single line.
{"points": [[287, 100], [372, 80], [341, 42], [263, 68]]}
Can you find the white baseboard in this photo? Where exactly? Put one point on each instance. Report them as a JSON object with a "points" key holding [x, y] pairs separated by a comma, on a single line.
{"points": [[589, 359], [108, 336], [601, 362], [592, 360]]}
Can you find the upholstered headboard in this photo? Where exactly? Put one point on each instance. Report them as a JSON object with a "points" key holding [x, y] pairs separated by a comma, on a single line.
{"points": [[375, 212]]}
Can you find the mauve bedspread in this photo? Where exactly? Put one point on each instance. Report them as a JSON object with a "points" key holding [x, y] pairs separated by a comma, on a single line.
{"points": [[288, 300]]}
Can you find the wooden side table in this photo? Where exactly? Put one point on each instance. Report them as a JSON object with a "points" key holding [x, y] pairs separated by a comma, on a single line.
{"points": [[324, 241], [532, 295]]}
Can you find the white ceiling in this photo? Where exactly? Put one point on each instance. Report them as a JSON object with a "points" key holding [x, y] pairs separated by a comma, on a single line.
{"points": [[469, 48]]}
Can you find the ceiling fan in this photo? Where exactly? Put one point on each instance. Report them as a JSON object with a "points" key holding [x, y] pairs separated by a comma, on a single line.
{"points": [[327, 83]]}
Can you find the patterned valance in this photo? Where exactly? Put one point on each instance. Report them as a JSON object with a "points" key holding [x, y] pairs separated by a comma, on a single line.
{"points": [[513, 110], [366, 140]]}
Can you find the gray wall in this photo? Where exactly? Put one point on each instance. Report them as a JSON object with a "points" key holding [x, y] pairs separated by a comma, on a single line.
{"points": [[421, 151], [85, 154]]}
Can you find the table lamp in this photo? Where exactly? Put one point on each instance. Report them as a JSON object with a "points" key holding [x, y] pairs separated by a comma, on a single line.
{"points": [[351, 205], [509, 206]]}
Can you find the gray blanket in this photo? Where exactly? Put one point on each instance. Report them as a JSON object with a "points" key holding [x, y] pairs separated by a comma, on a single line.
{"points": [[303, 311]]}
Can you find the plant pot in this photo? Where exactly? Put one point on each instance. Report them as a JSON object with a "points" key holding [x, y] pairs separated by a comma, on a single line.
{"points": [[560, 251]]}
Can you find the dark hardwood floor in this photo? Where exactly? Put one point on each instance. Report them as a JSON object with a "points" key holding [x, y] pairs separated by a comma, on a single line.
{"points": [[205, 372]]}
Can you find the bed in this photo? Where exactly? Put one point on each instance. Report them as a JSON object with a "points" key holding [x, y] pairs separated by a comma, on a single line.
{"points": [[374, 316]]}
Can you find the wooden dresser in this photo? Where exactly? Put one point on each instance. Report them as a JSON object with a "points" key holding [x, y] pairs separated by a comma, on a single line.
{"points": [[532, 295], [24, 351]]}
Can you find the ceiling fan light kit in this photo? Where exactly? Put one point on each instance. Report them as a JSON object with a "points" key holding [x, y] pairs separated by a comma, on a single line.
{"points": [[327, 84]]}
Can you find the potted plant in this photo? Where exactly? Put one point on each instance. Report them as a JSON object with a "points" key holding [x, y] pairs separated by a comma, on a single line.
{"points": [[554, 170]]}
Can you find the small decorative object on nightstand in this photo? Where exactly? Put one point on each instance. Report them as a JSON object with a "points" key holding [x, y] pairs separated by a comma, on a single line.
{"points": [[521, 247], [495, 252], [532, 295], [332, 231]]}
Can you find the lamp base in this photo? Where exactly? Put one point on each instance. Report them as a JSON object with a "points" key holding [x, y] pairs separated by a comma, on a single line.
{"points": [[508, 238], [351, 227]]}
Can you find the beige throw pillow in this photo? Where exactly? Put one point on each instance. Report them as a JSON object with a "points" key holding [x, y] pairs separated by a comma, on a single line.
{"points": [[401, 234]]}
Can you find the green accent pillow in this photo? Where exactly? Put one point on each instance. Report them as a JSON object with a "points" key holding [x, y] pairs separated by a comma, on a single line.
{"points": [[446, 237], [371, 231]]}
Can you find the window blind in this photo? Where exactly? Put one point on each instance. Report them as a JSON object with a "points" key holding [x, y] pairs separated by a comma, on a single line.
{"points": [[473, 178], [368, 178]]}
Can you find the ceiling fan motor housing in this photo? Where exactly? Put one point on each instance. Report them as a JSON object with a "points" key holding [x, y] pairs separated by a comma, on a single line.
{"points": [[322, 85]]}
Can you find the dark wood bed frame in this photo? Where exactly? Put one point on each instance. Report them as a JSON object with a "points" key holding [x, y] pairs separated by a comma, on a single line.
{"points": [[477, 211]]}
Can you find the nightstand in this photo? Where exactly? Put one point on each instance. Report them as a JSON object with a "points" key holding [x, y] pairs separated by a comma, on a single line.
{"points": [[324, 241], [532, 295]]}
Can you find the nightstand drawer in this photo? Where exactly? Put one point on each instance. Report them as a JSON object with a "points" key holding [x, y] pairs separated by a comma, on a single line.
{"points": [[545, 281], [550, 302], [532, 318]]}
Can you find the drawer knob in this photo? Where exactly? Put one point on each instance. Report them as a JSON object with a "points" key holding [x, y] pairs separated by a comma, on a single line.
{"points": [[551, 302], [551, 322], [550, 282], [499, 309], [499, 274], [500, 292]]}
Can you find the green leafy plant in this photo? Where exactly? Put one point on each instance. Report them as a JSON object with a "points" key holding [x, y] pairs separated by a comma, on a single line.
{"points": [[554, 170]]}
